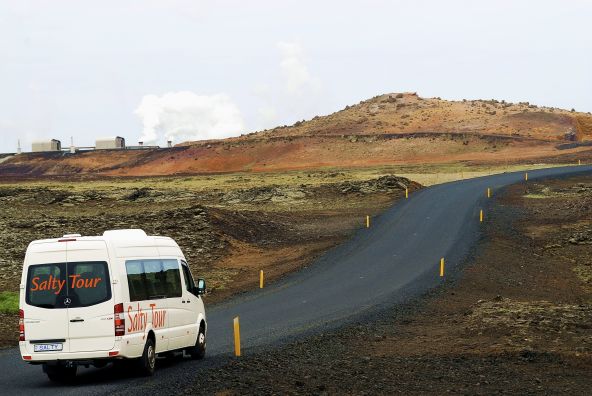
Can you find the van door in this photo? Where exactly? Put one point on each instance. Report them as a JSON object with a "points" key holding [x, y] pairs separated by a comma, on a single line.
{"points": [[45, 312], [149, 282], [191, 304], [175, 304], [91, 304]]}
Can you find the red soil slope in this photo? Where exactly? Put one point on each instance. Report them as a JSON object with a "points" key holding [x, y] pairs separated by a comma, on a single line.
{"points": [[387, 129]]}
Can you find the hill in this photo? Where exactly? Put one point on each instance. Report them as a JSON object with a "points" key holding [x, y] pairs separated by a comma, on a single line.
{"points": [[402, 113], [398, 128]]}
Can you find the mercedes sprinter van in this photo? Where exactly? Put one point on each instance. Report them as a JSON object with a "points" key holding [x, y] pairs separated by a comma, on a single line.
{"points": [[120, 296]]}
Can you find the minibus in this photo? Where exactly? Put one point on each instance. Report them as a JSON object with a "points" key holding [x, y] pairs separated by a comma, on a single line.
{"points": [[122, 296]]}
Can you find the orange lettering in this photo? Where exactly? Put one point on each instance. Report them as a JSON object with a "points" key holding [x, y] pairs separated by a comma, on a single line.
{"points": [[73, 285], [138, 321], [61, 284], [81, 283], [129, 315], [157, 317], [35, 284]]}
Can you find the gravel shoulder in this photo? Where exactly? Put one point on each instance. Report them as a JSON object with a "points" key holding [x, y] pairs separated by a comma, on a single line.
{"points": [[517, 320]]}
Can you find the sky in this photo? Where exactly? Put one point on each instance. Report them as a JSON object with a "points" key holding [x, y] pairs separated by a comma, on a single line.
{"points": [[186, 70]]}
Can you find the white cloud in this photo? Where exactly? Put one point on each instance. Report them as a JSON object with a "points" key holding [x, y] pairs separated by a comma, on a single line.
{"points": [[294, 68], [268, 115], [262, 90], [181, 116], [295, 95]]}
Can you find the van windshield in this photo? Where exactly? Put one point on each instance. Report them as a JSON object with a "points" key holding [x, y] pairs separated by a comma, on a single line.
{"points": [[68, 285]]}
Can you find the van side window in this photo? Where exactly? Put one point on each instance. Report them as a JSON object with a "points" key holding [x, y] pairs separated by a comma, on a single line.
{"points": [[172, 278], [153, 279], [136, 280], [189, 284]]}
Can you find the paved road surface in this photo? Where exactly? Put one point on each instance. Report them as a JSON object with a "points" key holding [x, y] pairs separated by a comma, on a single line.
{"points": [[397, 257]]}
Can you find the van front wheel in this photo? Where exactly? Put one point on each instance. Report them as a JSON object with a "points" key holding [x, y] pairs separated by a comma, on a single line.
{"points": [[148, 360], [199, 350], [57, 373]]}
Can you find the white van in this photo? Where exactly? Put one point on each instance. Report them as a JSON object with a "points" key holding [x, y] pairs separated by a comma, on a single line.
{"points": [[123, 295]]}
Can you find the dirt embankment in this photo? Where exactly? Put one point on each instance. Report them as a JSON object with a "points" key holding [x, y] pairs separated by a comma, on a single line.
{"points": [[517, 321]]}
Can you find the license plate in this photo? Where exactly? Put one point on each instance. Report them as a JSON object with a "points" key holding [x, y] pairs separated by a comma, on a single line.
{"points": [[47, 347]]}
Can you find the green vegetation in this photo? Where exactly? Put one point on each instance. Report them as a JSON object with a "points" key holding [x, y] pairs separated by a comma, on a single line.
{"points": [[9, 302]]}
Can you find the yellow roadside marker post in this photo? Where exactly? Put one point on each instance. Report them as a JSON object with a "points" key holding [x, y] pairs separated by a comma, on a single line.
{"points": [[525, 176], [481, 216], [442, 266], [488, 192], [367, 221], [261, 279], [406, 193], [237, 346], [579, 162]]}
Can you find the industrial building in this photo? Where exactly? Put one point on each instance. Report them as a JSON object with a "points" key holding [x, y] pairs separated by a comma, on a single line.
{"points": [[46, 145], [110, 143], [104, 143]]}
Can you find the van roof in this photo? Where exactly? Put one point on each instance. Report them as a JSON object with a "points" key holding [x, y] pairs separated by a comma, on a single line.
{"points": [[134, 233], [126, 241], [109, 235]]}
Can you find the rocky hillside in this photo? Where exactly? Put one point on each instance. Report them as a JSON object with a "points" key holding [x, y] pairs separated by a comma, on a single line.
{"points": [[398, 128], [401, 113]]}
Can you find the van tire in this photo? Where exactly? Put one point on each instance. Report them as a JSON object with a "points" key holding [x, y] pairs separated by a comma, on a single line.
{"points": [[199, 350], [62, 374], [147, 362]]}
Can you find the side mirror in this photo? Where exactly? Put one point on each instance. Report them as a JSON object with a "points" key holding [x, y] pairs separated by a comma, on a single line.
{"points": [[201, 287]]}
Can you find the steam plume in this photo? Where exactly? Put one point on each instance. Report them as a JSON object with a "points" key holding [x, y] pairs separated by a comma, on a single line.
{"points": [[184, 115]]}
